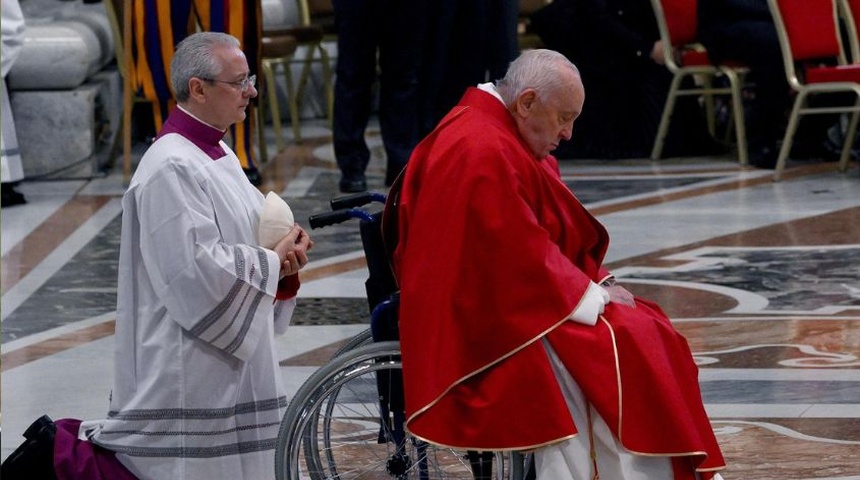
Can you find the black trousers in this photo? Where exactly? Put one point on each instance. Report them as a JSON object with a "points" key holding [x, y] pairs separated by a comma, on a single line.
{"points": [[755, 43], [388, 35]]}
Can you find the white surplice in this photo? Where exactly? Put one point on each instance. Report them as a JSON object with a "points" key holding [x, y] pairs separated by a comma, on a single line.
{"points": [[12, 26], [198, 391]]}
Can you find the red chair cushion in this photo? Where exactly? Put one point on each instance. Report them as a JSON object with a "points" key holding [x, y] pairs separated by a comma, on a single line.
{"points": [[691, 58], [695, 58], [839, 73]]}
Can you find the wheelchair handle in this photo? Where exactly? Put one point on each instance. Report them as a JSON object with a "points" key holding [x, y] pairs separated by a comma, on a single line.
{"points": [[356, 200], [325, 219]]}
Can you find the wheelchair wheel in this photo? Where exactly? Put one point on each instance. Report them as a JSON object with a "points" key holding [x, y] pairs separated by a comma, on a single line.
{"points": [[361, 338], [346, 422]]}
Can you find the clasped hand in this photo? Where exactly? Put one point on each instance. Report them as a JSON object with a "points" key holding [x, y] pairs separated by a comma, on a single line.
{"points": [[293, 250], [619, 294]]}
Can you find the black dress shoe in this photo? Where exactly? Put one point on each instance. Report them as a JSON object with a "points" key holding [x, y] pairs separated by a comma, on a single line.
{"points": [[764, 157], [11, 196], [353, 186], [35, 457]]}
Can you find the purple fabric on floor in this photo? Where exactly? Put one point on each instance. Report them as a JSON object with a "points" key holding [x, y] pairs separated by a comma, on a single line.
{"points": [[76, 459]]}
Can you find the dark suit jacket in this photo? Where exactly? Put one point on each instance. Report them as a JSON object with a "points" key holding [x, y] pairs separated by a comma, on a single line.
{"points": [[610, 41], [607, 36], [716, 14]]}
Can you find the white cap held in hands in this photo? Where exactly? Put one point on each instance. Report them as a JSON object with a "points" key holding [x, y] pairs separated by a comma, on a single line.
{"points": [[276, 220]]}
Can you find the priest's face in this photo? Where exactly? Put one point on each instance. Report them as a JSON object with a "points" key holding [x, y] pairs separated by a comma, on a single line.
{"points": [[545, 120], [230, 91]]}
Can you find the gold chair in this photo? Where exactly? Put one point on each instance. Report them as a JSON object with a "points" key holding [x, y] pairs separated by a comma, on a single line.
{"points": [[120, 18], [808, 32], [301, 35], [277, 52], [685, 57], [318, 15], [849, 13]]}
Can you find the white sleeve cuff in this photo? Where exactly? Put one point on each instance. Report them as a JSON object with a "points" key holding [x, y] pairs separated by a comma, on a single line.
{"points": [[595, 298]]}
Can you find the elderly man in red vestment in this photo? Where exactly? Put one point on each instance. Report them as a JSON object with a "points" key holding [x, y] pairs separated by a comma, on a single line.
{"points": [[514, 336]]}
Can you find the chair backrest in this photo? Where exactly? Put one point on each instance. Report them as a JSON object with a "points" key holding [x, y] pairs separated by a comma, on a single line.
{"points": [[853, 11], [528, 7], [808, 30], [526, 36], [681, 20], [390, 221], [319, 13], [320, 7], [677, 23]]}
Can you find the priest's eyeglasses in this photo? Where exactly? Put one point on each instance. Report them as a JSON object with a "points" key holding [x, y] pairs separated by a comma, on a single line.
{"points": [[243, 85]]}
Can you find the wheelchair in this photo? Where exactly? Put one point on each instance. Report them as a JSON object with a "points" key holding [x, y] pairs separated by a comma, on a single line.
{"points": [[347, 421]]}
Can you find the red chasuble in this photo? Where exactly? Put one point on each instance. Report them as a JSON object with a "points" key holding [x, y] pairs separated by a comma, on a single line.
{"points": [[494, 254]]}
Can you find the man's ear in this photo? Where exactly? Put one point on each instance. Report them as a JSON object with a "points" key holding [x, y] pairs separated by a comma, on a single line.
{"points": [[526, 101], [195, 88]]}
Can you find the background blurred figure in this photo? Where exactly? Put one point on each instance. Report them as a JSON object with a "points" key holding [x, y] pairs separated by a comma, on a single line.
{"points": [[390, 31], [467, 42], [743, 30], [615, 44], [11, 169], [424, 54]]}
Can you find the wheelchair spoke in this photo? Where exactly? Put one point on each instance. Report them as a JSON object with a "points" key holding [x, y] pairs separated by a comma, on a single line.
{"points": [[340, 429]]}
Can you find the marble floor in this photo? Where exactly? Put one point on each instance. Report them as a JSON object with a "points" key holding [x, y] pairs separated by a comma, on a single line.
{"points": [[763, 279]]}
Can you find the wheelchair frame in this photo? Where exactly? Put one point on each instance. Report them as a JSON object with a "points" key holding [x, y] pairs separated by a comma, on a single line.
{"points": [[347, 421]]}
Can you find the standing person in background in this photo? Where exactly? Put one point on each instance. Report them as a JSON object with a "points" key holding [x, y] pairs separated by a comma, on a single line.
{"points": [[515, 337], [11, 169], [617, 47], [467, 42], [392, 32], [743, 30]]}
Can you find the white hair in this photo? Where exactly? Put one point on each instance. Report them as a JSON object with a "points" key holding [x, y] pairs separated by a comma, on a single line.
{"points": [[539, 69]]}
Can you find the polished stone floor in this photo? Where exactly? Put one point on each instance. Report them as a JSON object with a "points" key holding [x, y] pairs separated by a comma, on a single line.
{"points": [[763, 279]]}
